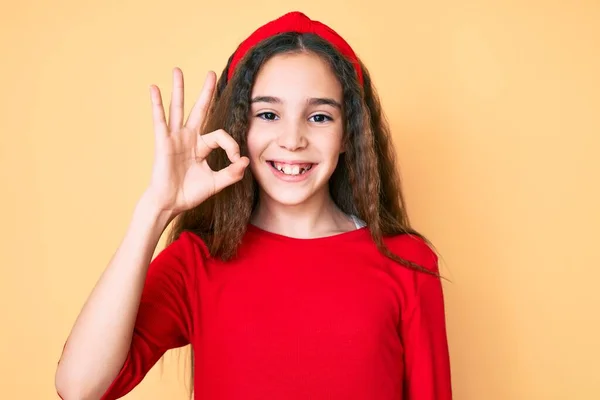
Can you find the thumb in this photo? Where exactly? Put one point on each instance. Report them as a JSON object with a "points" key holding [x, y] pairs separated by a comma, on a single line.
{"points": [[231, 174]]}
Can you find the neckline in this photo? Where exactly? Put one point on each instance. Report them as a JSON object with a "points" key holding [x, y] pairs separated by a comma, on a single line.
{"points": [[315, 240]]}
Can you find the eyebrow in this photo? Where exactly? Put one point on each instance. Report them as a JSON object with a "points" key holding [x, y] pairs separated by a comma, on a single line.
{"points": [[313, 101]]}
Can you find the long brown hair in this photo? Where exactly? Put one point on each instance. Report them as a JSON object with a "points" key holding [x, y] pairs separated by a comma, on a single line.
{"points": [[365, 183]]}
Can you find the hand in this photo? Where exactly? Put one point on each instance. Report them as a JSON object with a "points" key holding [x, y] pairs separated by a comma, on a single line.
{"points": [[181, 177]]}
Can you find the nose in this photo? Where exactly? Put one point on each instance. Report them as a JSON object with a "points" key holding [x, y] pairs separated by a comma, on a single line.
{"points": [[292, 137]]}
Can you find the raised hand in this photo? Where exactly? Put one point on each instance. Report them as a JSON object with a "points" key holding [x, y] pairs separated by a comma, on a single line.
{"points": [[181, 177]]}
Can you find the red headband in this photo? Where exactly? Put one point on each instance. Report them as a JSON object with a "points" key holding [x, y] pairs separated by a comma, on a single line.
{"points": [[295, 22]]}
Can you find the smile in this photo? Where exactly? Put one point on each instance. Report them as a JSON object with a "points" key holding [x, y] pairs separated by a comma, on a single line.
{"points": [[291, 171]]}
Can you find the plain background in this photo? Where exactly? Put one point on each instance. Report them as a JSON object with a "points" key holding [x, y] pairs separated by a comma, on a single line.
{"points": [[495, 112]]}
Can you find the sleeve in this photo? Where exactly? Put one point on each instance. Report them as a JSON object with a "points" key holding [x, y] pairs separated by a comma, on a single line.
{"points": [[427, 363], [164, 316]]}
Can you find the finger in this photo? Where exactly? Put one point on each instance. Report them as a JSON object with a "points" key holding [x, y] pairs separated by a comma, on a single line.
{"points": [[158, 112], [216, 139], [176, 108], [200, 108], [231, 174]]}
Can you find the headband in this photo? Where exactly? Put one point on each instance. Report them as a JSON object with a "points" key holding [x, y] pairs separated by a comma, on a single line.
{"points": [[295, 22]]}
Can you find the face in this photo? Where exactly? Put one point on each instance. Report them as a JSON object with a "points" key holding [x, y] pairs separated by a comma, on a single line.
{"points": [[296, 128]]}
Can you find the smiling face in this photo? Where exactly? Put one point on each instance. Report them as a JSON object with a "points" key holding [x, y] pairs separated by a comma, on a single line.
{"points": [[296, 128]]}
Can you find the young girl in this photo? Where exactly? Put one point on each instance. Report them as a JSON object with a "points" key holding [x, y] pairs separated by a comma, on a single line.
{"points": [[291, 268]]}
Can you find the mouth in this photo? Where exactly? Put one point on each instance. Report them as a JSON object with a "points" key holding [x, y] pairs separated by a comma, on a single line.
{"points": [[291, 169]]}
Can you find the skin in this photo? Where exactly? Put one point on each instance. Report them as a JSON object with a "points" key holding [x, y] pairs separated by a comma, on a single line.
{"points": [[181, 179], [296, 117]]}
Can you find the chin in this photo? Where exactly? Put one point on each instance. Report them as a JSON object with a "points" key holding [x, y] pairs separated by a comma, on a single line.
{"points": [[287, 197]]}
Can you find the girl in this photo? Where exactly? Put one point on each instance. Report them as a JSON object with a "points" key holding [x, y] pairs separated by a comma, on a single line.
{"points": [[291, 268]]}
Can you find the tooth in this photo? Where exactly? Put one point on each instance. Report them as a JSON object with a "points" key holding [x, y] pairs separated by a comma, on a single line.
{"points": [[287, 170], [295, 170], [279, 167]]}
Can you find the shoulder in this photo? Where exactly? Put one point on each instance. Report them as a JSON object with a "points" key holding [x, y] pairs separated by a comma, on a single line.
{"points": [[419, 289], [186, 251], [416, 250], [188, 241], [413, 248]]}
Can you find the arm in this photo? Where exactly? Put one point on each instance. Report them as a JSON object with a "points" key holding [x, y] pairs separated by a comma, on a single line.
{"points": [[139, 309], [427, 363], [102, 336]]}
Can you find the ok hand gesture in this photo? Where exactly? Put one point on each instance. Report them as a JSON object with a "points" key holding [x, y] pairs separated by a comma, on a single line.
{"points": [[181, 177]]}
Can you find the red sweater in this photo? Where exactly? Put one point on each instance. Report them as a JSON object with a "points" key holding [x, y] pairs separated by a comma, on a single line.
{"points": [[327, 318]]}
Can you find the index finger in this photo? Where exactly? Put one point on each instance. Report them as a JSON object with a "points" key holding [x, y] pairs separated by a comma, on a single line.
{"points": [[213, 140], [200, 109]]}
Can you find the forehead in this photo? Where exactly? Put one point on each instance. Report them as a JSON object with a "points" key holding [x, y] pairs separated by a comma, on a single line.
{"points": [[297, 75]]}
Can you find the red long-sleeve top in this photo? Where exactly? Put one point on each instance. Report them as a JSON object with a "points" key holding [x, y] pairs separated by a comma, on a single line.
{"points": [[326, 318]]}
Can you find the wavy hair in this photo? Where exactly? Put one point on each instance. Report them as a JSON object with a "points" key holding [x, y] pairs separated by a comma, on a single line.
{"points": [[365, 183]]}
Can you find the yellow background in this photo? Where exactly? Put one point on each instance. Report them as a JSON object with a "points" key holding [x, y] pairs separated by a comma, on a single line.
{"points": [[495, 108]]}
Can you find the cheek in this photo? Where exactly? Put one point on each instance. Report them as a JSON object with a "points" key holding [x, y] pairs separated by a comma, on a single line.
{"points": [[259, 138], [254, 143], [332, 145], [254, 151]]}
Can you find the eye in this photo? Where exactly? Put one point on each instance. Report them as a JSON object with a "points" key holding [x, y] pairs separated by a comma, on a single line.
{"points": [[269, 116], [320, 118]]}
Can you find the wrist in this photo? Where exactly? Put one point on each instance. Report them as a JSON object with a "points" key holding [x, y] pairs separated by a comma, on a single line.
{"points": [[148, 207]]}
